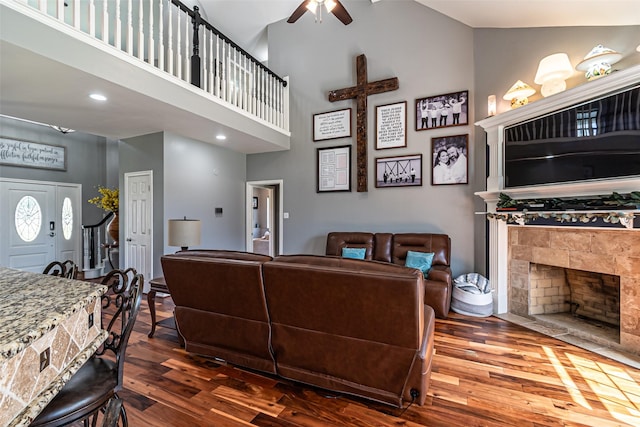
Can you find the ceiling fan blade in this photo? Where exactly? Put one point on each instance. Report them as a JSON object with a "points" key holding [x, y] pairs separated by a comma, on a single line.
{"points": [[298, 12], [341, 13]]}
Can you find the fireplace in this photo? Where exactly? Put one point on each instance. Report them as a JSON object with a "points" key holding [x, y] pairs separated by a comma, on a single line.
{"points": [[590, 275], [605, 258]]}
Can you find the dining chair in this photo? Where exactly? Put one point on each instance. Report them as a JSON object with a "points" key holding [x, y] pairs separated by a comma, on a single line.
{"points": [[90, 390], [67, 269]]}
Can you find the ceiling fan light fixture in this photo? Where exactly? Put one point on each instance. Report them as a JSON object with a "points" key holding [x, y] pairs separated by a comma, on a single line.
{"points": [[312, 6], [330, 4]]}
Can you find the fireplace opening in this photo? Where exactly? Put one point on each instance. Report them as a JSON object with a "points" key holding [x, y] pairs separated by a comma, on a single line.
{"points": [[583, 301]]}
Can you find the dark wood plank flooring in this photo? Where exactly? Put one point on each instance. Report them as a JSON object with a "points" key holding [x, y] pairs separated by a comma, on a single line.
{"points": [[486, 372]]}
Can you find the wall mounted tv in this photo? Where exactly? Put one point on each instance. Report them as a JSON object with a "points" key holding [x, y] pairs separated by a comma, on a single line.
{"points": [[598, 139]]}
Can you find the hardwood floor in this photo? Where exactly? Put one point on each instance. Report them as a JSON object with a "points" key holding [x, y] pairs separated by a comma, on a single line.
{"points": [[486, 372]]}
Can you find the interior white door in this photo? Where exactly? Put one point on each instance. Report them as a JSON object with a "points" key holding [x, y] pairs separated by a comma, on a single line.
{"points": [[138, 229], [27, 225]]}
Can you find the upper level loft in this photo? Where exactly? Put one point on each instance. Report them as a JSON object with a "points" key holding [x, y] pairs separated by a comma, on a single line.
{"points": [[161, 66]]}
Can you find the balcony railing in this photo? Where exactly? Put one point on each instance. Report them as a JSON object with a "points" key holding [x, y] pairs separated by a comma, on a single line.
{"points": [[175, 39]]}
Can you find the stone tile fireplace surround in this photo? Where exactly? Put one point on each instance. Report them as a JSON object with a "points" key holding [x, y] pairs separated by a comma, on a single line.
{"points": [[613, 252], [514, 249]]}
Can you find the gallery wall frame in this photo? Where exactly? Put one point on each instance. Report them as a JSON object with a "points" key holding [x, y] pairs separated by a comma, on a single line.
{"points": [[440, 111], [399, 171], [450, 160], [391, 125], [332, 125], [333, 169], [255, 202], [28, 154]]}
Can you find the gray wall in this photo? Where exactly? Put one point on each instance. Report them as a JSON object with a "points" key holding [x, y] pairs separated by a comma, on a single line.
{"points": [[431, 55], [144, 153], [503, 56], [86, 161], [199, 177]]}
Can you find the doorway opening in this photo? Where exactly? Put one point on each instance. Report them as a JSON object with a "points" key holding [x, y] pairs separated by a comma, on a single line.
{"points": [[264, 205]]}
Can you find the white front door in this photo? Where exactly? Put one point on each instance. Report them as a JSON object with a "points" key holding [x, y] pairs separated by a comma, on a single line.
{"points": [[69, 223], [138, 228], [37, 226]]}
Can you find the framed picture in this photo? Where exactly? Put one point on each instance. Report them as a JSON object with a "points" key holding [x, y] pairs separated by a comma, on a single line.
{"points": [[449, 163], [334, 169], [399, 171], [332, 125], [391, 125], [27, 154], [441, 111], [255, 203]]}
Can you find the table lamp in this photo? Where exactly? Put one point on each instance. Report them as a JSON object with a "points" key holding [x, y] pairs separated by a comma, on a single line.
{"points": [[552, 72], [184, 232], [518, 94]]}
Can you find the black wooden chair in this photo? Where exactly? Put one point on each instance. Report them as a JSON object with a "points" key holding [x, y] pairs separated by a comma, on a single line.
{"points": [[67, 269], [89, 391]]}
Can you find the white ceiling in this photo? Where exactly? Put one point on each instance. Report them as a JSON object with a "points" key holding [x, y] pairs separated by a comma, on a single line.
{"points": [[245, 21]]}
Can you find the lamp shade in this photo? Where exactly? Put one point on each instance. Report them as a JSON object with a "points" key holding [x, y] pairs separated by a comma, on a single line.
{"points": [[598, 61], [518, 94], [184, 232], [553, 70]]}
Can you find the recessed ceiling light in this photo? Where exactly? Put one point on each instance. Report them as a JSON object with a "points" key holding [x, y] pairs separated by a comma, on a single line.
{"points": [[98, 97], [221, 137]]}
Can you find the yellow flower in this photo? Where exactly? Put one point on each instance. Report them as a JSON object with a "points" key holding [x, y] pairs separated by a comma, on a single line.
{"points": [[109, 201]]}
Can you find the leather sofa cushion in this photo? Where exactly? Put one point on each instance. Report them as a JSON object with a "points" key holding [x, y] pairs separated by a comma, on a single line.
{"points": [[337, 241], [439, 244]]}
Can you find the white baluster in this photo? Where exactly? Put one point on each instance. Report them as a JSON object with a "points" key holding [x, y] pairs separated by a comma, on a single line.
{"points": [[227, 67], [117, 39], [170, 41], [92, 18], [43, 7], [223, 72], [59, 9], [152, 47], [161, 36], [105, 21], [271, 97], [178, 73], [76, 14], [236, 79], [244, 83], [187, 49], [211, 77], [285, 105], [216, 82], [129, 43], [141, 39]]}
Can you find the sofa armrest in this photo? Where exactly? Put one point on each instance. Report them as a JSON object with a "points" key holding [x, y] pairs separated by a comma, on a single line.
{"points": [[420, 375], [440, 273]]}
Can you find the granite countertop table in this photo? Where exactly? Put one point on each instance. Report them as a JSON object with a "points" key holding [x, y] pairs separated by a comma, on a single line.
{"points": [[43, 316]]}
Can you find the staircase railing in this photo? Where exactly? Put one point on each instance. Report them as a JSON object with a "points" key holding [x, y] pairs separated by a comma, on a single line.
{"points": [[177, 40], [92, 243]]}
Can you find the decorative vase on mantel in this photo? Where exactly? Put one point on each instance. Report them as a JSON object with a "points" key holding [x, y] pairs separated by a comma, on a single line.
{"points": [[113, 228]]}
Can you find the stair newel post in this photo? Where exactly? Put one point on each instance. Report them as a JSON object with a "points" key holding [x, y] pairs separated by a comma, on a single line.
{"points": [[195, 58]]}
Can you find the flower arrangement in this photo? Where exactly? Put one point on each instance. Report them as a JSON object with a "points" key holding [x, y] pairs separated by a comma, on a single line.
{"points": [[109, 199]]}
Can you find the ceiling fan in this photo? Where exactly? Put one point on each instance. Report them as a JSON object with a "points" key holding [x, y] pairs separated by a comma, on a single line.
{"points": [[315, 7]]}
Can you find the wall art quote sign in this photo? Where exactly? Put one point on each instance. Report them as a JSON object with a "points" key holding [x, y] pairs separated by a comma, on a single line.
{"points": [[391, 125], [332, 125], [15, 152]]}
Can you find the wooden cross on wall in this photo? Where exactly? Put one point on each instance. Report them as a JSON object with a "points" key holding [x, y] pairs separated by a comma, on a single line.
{"points": [[361, 91]]}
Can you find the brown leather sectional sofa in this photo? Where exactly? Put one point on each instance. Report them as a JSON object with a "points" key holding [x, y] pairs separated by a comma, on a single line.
{"points": [[351, 326], [393, 248]]}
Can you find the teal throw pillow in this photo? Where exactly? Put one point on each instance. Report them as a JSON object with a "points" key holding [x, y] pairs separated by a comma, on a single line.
{"points": [[356, 253], [420, 260]]}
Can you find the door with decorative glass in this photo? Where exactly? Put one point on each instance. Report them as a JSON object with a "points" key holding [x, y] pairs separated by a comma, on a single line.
{"points": [[39, 222]]}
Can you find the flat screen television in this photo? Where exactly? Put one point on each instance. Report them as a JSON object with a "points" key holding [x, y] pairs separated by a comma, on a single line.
{"points": [[598, 139]]}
